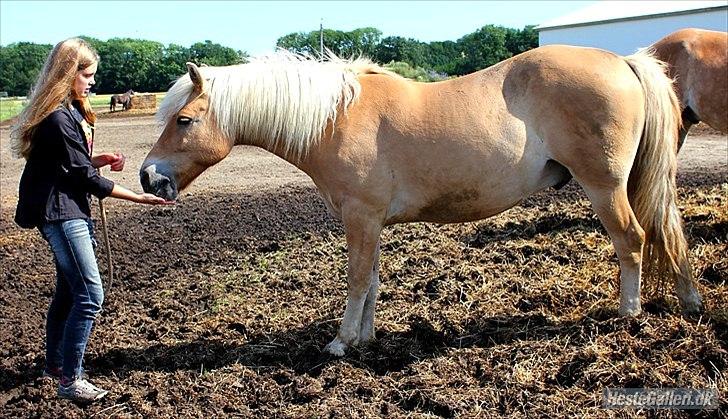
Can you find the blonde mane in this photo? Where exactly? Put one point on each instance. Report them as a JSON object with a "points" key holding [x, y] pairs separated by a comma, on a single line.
{"points": [[279, 101]]}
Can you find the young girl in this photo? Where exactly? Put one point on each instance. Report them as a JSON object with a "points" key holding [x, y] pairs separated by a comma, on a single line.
{"points": [[55, 135]]}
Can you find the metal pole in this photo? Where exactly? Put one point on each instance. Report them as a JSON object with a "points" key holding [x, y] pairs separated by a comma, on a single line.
{"points": [[321, 39]]}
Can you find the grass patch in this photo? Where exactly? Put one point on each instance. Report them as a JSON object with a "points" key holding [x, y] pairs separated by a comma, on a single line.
{"points": [[100, 101], [12, 107]]}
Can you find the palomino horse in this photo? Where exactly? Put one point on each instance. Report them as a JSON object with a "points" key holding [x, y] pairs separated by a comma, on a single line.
{"points": [[123, 99], [383, 150], [698, 61]]}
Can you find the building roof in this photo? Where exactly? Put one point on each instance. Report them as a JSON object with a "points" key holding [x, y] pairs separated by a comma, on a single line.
{"points": [[609, 11]]}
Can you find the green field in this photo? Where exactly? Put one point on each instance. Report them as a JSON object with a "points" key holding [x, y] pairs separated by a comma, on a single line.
{"points": [[10, 107], [100, 100]]}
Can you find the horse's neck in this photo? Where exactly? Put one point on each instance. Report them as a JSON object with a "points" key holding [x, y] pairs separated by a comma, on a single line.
{"points": [[303, 163], [278, 151]]}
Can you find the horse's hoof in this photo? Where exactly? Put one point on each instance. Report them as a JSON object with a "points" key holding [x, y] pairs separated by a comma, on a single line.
{"points": [[336, 347], [692, 308], [690, 302], [366, 335], [630, 311]]}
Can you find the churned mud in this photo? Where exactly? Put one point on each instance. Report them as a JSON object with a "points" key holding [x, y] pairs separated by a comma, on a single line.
{"points": [[220, 305]]}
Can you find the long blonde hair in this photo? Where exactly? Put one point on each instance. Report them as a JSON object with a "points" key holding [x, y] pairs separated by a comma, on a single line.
{"points": [[54, 87]]}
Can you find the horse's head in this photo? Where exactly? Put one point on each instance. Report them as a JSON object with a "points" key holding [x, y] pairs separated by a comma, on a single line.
{"points": [[190, 142]]}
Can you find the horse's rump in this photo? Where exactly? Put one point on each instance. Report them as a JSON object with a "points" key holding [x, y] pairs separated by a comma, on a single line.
{"points": [[698, 61]]}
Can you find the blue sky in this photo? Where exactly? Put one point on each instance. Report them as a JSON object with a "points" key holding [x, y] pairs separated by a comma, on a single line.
{"points": [[254, 26]]}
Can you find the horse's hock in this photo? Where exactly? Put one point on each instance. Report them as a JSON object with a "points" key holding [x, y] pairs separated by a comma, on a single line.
{"points": [[143, 101]]}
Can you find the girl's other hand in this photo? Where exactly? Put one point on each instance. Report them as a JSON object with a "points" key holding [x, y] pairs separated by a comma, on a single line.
{"points": [[118, 164], [115, 160]]}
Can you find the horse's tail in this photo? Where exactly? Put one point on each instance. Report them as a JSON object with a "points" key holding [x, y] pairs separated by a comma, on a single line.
{"points": [[652, 187]]}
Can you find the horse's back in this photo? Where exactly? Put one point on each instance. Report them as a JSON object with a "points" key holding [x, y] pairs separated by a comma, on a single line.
{"points": [[698, 61], [701, 42], [697, 50]]}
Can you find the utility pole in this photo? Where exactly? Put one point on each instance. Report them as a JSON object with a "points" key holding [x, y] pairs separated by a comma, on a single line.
{"points": [[321, 40]]}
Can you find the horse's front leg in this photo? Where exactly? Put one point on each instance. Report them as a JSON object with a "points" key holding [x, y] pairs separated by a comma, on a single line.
{"points": [[363, 227]]}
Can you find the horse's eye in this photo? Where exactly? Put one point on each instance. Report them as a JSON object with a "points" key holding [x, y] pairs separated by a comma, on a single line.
{"points": [[184, 120]]}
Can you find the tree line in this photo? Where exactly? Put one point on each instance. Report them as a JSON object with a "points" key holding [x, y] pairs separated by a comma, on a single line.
{"points": [[151, 66], [126, 63], [474, 51]]}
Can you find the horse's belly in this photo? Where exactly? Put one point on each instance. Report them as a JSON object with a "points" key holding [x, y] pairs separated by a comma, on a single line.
{"points": [[472, 199], [455, 208], [451, 205]]}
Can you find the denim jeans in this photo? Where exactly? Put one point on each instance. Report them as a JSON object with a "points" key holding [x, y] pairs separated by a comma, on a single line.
{"points": [[78, 297]]}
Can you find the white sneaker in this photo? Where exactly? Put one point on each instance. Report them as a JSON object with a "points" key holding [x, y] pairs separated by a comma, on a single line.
{"points": [[81, 391]]}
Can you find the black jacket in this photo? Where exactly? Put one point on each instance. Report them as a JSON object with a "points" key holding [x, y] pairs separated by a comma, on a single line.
{"points": [[58, 176]]}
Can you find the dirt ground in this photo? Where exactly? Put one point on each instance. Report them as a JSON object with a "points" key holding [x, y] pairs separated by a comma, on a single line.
{"points": [[221, 304]]}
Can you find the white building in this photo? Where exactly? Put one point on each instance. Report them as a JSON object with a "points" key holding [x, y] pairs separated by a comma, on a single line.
{"points": [[625, 26]]}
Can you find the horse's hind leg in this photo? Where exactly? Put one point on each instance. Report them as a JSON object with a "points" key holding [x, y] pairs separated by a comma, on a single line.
{"points": [[615, 213], [362, 235], [366, 332]]}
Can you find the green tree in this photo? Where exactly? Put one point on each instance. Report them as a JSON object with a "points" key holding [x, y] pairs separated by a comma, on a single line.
{"points": [[20, 64], [298, 42], [482, 48], [172, 65], [144, 63], [214, 54], [150, 66], [397, 48], [362, 41], [518, 41], [442, 56], [117, 68]]}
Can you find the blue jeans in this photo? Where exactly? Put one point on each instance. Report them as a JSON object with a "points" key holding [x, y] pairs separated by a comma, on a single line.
{"points": [[78, 297]]}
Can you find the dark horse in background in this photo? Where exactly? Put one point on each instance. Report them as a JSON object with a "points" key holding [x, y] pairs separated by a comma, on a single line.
{"points": [[124, 100]]}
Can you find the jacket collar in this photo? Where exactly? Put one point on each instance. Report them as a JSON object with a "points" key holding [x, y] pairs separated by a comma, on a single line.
{"points": [[83, 127], [76, 114]]}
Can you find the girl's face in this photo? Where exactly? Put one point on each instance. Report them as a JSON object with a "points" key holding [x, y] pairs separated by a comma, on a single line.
{"points": [[84, 80]]}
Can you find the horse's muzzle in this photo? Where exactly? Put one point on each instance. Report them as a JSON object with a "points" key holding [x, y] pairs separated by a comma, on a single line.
{"points": [[156, 180]]}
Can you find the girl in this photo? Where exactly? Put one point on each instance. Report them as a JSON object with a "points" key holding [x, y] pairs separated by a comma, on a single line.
{"points": [[55, 135]]}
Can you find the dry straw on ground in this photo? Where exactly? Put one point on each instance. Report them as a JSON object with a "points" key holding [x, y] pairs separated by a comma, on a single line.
{"points": [[222, 304]]}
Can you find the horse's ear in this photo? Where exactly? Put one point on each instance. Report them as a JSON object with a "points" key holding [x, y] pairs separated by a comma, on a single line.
{"points": [[196, 77]]}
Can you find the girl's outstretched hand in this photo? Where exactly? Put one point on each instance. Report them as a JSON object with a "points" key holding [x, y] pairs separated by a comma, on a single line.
{"points": [[147, 198]]}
